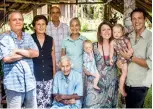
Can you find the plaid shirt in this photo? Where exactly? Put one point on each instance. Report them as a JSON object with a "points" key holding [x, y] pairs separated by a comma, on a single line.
{"points": [[58, 34], [19, 73]]}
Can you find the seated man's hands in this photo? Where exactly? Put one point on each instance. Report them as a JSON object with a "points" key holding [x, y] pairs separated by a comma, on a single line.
{"points": [[59, 97], [67, 102], [72, 101]]}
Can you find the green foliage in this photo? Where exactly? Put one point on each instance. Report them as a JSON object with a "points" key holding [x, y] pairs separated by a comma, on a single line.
{"points": [[148, 99], [84, 28], [28, 27], [95, 15], [91, 11]]}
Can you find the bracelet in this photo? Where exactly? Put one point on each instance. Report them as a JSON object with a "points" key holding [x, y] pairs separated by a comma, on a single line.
{"points": [[130, 60]]}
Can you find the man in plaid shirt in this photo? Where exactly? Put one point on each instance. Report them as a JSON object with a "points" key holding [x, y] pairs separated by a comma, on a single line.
{"points": [[16, 52], [57, 30]]}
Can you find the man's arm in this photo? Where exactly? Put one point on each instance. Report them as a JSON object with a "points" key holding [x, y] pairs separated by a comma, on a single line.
{"points": [[58, 98], [141, 62], [127, 54], [67, 97], [12, 58], [30, 53], [8, 56], [73, 96]]}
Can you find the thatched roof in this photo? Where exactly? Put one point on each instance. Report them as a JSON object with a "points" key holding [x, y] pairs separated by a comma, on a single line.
{"points": [[6, 6]]}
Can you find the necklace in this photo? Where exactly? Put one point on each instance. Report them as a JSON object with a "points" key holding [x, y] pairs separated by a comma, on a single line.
{"points": [[107, 64]]}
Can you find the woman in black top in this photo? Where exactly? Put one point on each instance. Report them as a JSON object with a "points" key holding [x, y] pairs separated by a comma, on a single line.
{"points": [[44, 65]]}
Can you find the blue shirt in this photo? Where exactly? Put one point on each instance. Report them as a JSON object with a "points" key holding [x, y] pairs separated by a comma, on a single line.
{"points": [[74, 50], [19, 73], [90, 65], [71, 85]]}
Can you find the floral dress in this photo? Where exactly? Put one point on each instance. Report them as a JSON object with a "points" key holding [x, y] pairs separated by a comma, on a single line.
{"points": [[107, 96]]}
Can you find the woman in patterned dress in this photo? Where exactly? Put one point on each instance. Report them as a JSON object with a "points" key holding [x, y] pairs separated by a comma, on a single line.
{"points": [[44, 64], [108, 83]]}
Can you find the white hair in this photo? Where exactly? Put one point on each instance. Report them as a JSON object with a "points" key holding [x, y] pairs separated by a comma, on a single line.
{"points": [[9, 16], [65, 58]]}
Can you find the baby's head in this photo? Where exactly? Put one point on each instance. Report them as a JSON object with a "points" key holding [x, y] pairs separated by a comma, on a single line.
{"points": [[87, 46], [118, 31]]}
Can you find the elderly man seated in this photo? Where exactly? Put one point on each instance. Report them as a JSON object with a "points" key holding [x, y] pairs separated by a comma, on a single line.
{"points": [[67, 86]]}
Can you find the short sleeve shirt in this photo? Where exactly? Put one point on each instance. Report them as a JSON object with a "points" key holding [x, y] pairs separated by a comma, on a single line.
{"points": [[74, 50], [20, 73]]}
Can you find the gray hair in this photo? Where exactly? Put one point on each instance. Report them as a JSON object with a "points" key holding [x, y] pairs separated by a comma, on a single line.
{"points": [[65, 58], [9, 16]]}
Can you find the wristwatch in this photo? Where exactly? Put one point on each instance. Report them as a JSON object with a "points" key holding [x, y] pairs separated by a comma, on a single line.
{"points": [[130, 60]]}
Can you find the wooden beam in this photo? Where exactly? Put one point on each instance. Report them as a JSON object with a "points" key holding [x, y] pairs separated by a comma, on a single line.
{"points": [[144, 5], [23, 6], [76, 1], [51, 2], [2, 9], [4, 5], [79, 3], [26, 2], [14, 6], [118, 8]]}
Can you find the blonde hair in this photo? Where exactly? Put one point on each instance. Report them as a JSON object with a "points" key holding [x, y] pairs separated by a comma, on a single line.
{"points": [[87, 41], [120, 26]]}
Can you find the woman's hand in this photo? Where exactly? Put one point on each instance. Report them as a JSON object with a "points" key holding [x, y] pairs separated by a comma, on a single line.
{"points": [[119, 64]]}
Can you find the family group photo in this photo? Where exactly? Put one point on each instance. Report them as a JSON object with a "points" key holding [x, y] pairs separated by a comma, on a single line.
{"points": [[73, 54]]}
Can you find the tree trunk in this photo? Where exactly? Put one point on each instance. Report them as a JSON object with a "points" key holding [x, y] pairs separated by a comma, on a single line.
{"points": [[129, 6]]}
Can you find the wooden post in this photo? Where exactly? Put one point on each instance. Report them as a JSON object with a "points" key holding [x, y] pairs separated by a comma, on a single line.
{"points": [[49, 11], [129, 6], [107, 10], [34, 12]]}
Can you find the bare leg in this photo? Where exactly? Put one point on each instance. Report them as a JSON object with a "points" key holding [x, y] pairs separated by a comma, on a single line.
{"points": [[96, 80], [122, 79]]}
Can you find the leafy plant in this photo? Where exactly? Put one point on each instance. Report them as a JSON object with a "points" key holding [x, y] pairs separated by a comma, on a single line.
{"points": [[148, 99], [84, 27]]}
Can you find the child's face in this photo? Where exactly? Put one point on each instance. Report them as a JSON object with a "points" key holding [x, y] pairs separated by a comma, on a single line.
{"points": [[88, 47], [117, 32], [75, 27]]}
